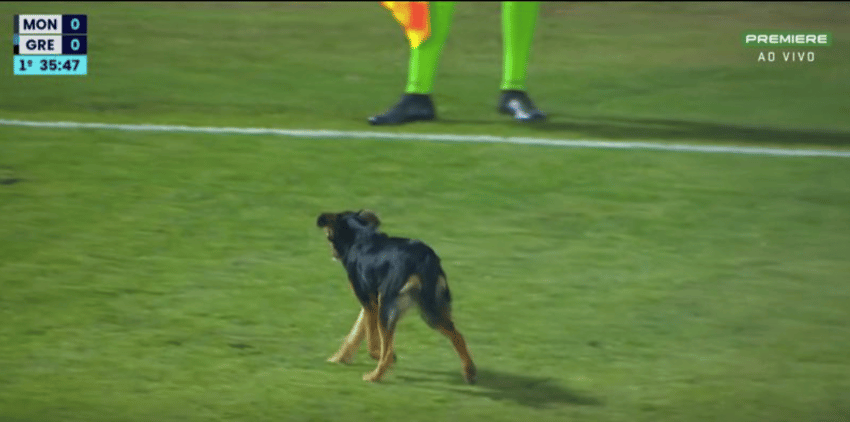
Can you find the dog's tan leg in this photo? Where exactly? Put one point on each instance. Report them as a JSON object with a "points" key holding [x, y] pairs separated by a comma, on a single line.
{"points": [[387, 354], [352, 341], [374, 339], [469, 372], [373, 336], [372, 327]]}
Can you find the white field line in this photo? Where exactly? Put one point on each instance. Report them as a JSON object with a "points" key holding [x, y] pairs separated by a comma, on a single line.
{"points": [[354, 134]]}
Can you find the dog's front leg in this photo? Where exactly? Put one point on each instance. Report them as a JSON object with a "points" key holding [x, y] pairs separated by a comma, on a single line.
{"points": [[352, 341]]}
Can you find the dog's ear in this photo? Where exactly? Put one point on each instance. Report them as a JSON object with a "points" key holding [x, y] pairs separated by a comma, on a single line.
{"points": [[370, 218], [325, 220]]}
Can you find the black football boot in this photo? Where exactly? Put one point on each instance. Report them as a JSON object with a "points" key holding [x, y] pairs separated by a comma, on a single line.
{"points": [[518, 105], [411, 108]]}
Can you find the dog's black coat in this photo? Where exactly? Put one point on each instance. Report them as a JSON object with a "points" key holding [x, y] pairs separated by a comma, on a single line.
{"points": [[379, 266], [388, 276]]}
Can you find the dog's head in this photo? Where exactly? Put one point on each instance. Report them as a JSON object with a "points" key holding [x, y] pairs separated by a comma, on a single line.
{"points": [[343, 228]]}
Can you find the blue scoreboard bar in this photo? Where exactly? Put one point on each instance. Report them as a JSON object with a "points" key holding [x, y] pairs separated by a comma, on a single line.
{"points": [[50, 45]]}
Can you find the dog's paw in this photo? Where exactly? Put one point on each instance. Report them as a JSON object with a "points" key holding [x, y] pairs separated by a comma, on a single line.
{"points": [[373, 376], [470, 374], [340, 358]]}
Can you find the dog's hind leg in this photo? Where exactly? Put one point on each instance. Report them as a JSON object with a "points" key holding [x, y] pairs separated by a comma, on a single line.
{"points": [[387, 332], [447, 328], [352, 341], [386, 318], [436, 311], [373, 337], [402, 303]]}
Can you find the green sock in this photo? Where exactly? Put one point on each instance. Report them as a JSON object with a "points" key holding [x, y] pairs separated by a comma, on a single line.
{"points": [[425, 58], [518, 21]]}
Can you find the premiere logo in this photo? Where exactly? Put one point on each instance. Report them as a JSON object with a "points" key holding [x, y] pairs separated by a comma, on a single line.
{"points": [[786, 39]]}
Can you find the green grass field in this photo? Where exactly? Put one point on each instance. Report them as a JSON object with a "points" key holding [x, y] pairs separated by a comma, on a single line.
{"points": [[177, 277]]}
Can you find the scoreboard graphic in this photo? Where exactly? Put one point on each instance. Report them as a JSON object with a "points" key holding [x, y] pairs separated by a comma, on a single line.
{"points": [[50, 45]]}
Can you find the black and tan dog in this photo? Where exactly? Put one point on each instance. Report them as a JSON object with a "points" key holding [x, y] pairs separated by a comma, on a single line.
{"points": [[389, 275]]}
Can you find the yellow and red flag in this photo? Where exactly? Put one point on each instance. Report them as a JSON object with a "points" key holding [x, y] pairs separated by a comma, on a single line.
{"points": [[413, 16]]}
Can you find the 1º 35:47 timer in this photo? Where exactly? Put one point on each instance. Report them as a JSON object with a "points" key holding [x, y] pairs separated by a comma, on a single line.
{"points": [[51, 64]]}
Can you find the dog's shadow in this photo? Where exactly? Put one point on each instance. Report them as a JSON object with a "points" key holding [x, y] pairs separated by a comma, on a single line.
{"points": [[524, 390]]}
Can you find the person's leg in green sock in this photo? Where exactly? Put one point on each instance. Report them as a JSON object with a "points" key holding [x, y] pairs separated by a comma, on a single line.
{"points": [[416, 104], [424, 59], [518, 22]]}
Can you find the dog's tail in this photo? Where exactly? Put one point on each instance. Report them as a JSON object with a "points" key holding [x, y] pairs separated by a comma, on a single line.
{"points": [[435, 298]]}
